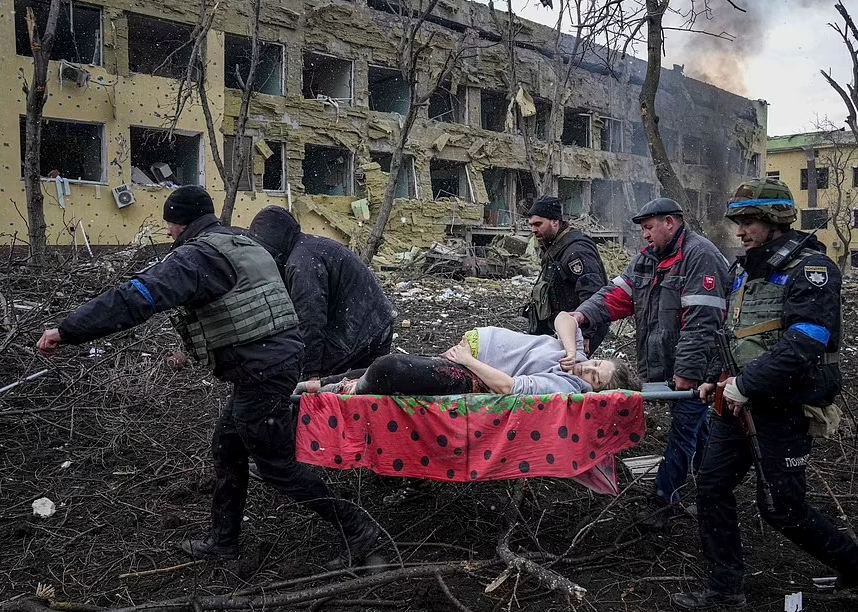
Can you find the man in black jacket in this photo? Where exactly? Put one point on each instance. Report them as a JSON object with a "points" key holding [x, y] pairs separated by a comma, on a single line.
{"points": [[572, 271], [346, 321], [235, 317], [783, 315]]}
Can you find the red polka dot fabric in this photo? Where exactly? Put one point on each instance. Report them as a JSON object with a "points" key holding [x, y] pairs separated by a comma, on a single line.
{"points": [[473, 437]]}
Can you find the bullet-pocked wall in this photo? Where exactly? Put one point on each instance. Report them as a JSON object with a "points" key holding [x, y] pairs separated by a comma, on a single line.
{"points": [[326, 118]]}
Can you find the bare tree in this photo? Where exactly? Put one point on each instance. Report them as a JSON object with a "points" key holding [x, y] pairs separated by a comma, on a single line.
{"points": [[414, 57], [37, 95], [195, 82], [849, 35], [838, 153]]}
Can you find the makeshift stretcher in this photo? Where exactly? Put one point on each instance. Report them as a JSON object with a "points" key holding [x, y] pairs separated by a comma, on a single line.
{"points": [[477, 437]]}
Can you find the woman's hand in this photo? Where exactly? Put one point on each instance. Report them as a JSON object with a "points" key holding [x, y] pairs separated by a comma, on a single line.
{"points": [[460, 353]]}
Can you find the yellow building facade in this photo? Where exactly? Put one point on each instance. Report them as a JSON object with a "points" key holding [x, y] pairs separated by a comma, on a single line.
{"points": [[833, 158]]}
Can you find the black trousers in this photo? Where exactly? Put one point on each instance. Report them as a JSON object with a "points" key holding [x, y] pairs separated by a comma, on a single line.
{"points": [[413, 375], [785, 447], [260, 422]]}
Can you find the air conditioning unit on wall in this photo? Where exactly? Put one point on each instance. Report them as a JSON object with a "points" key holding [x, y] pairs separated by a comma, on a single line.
{"points": [[123, 196]]}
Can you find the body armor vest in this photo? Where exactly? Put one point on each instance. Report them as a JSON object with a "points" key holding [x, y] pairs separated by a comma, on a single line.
{"points": [[258, 306], [755, 312]]}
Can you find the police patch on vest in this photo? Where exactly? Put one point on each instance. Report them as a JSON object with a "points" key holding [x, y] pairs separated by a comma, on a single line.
{"points": [[816, 275], [796, 461], [576, 266]]}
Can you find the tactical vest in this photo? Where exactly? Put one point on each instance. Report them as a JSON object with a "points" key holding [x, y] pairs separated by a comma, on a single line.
{"points": [[755, 312], [549, 275], [258, 306]]}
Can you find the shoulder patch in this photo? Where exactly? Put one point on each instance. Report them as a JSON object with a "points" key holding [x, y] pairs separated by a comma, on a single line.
{"points": [[816, 275], [708, 282], [779, 278], [576, 266]]}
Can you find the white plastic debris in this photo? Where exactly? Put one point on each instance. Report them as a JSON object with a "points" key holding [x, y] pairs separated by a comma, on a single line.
{"points": [[65, 464], [44, 507], [95, 352], [792, 602]]}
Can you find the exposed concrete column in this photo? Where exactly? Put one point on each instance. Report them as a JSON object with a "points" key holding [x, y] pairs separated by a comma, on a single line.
{"points": [[294, 71], [474, 105], [360, 82], [115, 26]]}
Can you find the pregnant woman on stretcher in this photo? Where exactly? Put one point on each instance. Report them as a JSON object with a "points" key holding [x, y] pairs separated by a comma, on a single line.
{"points": [[489, 360]]}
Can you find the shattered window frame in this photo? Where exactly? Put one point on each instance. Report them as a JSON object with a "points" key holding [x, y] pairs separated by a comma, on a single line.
{"points": [[407, 182], [269, 53], [146, 33], [821, 179], [573, 204], [397, 105], [464, 179], [692, 150], [279, 149], [55, 149], [611, 135], [307, 57], [455, 105], [498, 212], [574, 119], [348, 181], [67, 40], [493, 120], [181, 139]]}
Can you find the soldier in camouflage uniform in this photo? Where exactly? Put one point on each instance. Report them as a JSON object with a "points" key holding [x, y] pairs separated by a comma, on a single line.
{"points": [[235, 316]]}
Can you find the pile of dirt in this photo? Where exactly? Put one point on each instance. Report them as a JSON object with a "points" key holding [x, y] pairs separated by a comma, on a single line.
{"points": [[119, 442]]}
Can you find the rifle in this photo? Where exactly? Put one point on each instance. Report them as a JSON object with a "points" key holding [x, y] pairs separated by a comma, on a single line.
{"points": [[731, 369]]}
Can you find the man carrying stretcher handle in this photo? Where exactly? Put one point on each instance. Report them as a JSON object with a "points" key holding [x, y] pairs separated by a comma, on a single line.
{"points": [[489, 360]]}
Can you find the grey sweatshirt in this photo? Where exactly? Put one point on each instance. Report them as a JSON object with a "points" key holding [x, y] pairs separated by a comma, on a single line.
{"points": [[533, 362]]}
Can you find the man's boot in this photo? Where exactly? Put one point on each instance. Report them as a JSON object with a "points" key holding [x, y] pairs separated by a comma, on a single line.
{"points": [[708, 600], [200, 549], [655, 514], [361, 535]]}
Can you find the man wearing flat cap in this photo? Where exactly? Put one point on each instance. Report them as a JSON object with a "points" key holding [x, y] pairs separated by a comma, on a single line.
{"points": [[572, 271], [675, 288], [234, 315]]}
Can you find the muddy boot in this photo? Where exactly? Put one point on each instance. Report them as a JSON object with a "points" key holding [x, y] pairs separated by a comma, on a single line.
{"points": [[361, 535], [708, 600], [200, 549]]}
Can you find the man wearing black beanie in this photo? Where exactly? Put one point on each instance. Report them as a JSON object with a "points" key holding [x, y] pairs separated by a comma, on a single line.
{"points": [[235, 316], [572, 270]]}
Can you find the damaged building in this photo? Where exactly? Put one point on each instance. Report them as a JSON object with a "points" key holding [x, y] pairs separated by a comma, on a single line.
{"points": [[325, 118]]}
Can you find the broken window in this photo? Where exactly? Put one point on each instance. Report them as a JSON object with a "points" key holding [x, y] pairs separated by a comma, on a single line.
{"points": [[406, 186], [497, 212], [853, 258], [448, 105], [70, 149], [158, 47], [327, 77], [576, 128], [855, 218], [525, 192], [230, 159], [388, 91], [571, 194], [821, 178], [493, 107], [156, 157], [78, 33], [328, 171], [612, 135], [854, 176], [608, 202], [274, 173], [814, 218], [449, 179], [692, 150], [640, 143], [238, 51], [754, 165]]}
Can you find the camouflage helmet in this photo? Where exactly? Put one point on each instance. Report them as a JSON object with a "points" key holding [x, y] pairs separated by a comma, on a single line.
{"points": [[657, 208], [769, 200]]}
